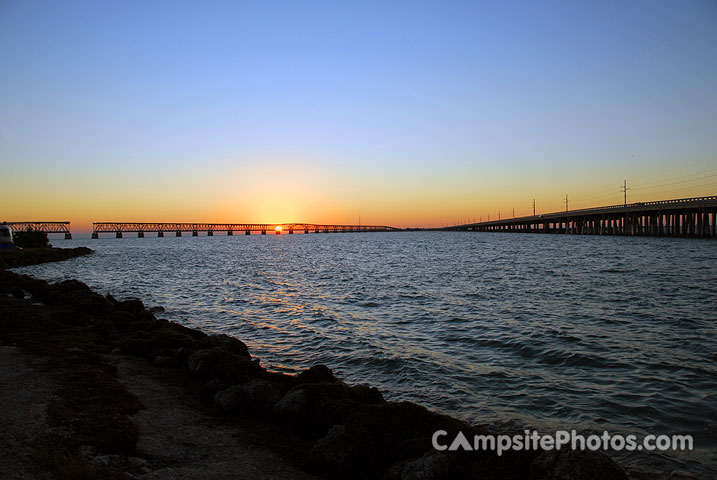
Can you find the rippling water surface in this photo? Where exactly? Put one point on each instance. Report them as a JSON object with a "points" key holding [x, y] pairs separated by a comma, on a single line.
{"points": [[548, 331]]}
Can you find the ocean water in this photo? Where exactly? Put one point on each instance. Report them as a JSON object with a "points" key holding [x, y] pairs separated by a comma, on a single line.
{"points": [[541, 331]]}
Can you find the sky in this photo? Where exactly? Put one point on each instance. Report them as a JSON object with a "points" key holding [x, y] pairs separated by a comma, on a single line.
{"points": [[403, 113]]}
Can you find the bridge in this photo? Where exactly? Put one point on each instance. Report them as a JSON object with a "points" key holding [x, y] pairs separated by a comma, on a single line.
{"points": [[685, 217], [47, 227], [119, 228]]}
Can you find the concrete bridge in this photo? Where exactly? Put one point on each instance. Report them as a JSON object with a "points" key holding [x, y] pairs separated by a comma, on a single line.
{"points": [[47, 227], [685, 217], [119, 228]]}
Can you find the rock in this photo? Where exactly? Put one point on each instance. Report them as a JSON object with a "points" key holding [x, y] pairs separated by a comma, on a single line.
{"points": [[164, 339], [18, 293], [254, 396], [295, 408], [93, 303], [72, 317], [366, 394], [103, 328], [202, 361], [575, 465], [156, 309], [87, 451], [345, 452], [145, 319], [121, 318], [211, 388], [164, 362], [413, 448], [317, 374], [321, 405], [233, 399], [680, 475], [40, 290], [138, 461], [227, 367], [140, 346], [432, 466], [131, 305], [105, 460], [79, 297], [168, 339], [227, 343], [67, 286]]}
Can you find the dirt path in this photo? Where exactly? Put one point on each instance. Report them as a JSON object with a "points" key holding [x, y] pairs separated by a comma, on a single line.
{"points": [[179, 440], [23, 402]]}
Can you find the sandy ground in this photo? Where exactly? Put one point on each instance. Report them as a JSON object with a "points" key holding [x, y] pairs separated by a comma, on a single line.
{"points": [[22, 414], [179, 440]]}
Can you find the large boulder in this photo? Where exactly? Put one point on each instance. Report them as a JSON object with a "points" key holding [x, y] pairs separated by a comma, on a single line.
{"points": [[225, 342], [211, 388], [228, 367], [130, 305], [254, 396], [295, 408], [317, 374], [346, 451], [314, 407], [431, 466]]}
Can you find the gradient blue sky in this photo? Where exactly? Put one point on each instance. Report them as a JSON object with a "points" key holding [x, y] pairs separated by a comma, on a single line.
{"points": [[409, 113]]}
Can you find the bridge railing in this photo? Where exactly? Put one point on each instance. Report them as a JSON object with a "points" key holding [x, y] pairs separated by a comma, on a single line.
{"points": [[130, 227], [606, 208], [677, 201]]}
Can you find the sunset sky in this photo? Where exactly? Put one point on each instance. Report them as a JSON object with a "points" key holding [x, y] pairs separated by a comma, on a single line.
{"points": [[405, 113]]}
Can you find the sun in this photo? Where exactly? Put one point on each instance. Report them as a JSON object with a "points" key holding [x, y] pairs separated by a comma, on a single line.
{"points": [[278, 228]]}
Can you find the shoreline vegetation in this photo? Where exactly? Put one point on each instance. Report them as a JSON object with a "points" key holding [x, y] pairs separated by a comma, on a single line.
{"points": [[96, 387]]}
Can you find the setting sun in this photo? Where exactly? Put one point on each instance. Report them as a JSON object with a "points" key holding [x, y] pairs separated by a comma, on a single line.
{"points": [[278, 228]]}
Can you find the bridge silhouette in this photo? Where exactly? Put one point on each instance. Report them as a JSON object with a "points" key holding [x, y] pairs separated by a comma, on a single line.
{"points": [[47, 227], [119, 228], [685, 217]]}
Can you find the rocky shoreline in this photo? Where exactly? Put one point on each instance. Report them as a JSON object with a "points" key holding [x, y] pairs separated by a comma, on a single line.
{"points": [[33, 256], [312, 420]]}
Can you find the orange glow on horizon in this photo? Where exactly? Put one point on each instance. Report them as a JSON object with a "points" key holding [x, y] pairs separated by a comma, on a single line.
{"points": [[297, 190]]}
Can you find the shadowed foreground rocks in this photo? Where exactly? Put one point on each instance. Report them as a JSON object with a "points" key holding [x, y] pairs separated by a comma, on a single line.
{"points": [[342, 431]]}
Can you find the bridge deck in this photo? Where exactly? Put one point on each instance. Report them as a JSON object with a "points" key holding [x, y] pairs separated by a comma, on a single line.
{"points": [[118, 228], [695, 217]]}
